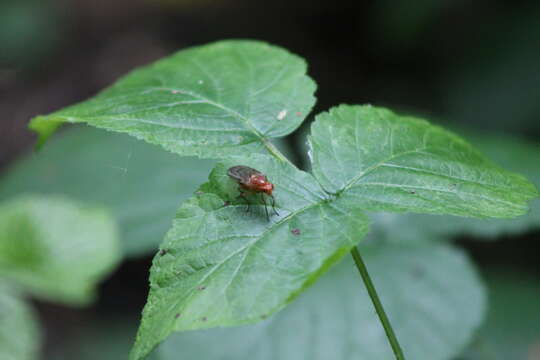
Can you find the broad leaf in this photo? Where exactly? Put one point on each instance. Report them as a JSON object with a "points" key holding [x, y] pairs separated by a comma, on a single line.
{"points": [[214, 100], [20, 335], [140, 183], [432, 294], [55, 249], [219, 266], [513, 154], [393, 163]]}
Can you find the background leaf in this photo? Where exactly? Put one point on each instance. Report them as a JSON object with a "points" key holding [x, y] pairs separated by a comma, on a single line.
{"points": [[224, 98], [431, 292], [20, 336], [221, 267], [395, 163], [56, 249], [140, 183], [512, 326]]}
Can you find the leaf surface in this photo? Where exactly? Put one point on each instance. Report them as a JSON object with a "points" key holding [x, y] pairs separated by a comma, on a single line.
{"points": [[212, 101], [431, 293], [219, 266], [512, 153], [395, 163], [55, 249]]}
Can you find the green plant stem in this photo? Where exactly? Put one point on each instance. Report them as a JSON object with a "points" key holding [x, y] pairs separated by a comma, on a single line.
{"points": [[377, 304], [365, 276]]}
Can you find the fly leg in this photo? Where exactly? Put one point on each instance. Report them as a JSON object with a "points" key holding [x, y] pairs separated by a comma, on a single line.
{"points": [[274, 205], [265, 207], [243, 196]]}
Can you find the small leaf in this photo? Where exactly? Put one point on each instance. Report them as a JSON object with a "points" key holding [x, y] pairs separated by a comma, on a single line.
{"points": [[219, 266], [394, 163], [431, 292], [214, 100], [20, 335], [55, 249], [140, 184]]}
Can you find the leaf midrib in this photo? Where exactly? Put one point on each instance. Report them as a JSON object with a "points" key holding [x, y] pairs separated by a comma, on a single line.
{"points": [[247, 122], [227, 109], [354, 181]]}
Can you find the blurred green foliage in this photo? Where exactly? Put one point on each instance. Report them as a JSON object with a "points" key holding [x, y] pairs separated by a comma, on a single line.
{"points": [[140, 183], [512, 326], [51, 249], [335, 318], [20, 334], [55, 249], [496, 88], [469, 61], [30, 31], [433, 315]]}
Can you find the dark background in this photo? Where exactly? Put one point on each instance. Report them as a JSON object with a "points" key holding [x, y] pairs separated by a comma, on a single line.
{"points": [[474, 63]]}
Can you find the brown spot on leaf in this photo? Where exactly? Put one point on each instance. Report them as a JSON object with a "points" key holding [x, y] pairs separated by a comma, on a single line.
{"points": [[298, 113], [202, 287], [295, 231], [177, 316], [204, 318]]}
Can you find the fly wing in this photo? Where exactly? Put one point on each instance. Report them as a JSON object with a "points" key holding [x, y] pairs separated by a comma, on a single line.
{"points": [[242, 174]]}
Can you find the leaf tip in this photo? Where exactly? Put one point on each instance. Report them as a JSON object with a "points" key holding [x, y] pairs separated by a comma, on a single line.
{"points": [[44, 127]]}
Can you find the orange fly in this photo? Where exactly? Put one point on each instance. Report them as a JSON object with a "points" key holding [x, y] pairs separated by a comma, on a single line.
{"points": [[252, 181]]}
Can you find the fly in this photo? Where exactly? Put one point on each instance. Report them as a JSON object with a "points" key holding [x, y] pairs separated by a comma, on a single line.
{"points": [[255, 182]]}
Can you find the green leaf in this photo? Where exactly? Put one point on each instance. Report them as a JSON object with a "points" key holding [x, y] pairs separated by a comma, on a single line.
{"points": [[141, 184], [212, 101], [432, 294], [512, 327], [394, 163], [56, 249], [219, 266], [20, 335], [512, 153]]}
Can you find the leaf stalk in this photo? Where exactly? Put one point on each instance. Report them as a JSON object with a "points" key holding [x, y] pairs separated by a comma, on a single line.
{"points": [[361, 266]]}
